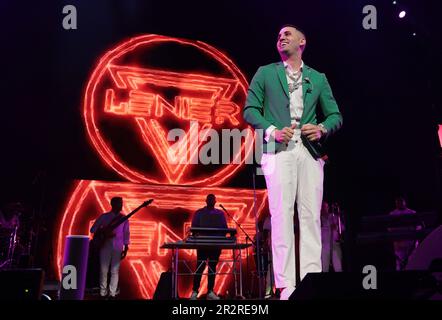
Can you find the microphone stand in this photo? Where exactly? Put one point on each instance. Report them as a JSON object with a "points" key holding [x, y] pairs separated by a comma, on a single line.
{"points": [[247, 238], [258, 242]]}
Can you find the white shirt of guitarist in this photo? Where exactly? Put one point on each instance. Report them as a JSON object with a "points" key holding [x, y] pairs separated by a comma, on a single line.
{"points": [[122, 233]]}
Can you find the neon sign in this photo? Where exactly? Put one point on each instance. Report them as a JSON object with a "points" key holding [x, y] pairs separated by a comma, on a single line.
{"points": [[131, 100], [135, 97]]}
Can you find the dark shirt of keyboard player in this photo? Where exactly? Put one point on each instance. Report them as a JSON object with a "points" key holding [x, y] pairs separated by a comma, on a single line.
{"points": [[207, 217]]}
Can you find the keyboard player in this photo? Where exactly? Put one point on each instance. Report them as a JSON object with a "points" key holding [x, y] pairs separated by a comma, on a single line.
{"points": [[207, 217]]}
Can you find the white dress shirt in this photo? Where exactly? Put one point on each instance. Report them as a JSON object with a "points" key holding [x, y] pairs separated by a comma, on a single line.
{"points": [[122, 233], [296, 101]]}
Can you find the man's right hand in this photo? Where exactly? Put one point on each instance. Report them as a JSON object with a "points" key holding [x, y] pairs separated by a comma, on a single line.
{"points": [[285, 134]]}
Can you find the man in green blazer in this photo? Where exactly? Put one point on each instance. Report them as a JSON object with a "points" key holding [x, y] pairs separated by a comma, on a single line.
{"points": [[292, 105]]}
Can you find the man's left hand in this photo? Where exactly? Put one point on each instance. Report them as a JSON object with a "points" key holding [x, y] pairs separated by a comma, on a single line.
{"points": [[311, 131]]}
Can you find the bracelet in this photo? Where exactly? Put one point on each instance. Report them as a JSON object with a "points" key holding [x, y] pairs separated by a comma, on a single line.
{"points": [[323, 129]]}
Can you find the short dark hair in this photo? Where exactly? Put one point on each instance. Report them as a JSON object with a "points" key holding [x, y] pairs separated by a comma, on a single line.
{"points": [[296, 27], [116, 201], [210, 195]]}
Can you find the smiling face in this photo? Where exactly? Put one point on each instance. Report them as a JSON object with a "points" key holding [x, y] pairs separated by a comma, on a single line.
{"points": [[290, 41]]}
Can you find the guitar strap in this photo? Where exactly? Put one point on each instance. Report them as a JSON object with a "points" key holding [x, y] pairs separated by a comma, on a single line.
{"points": [[115, 221]]}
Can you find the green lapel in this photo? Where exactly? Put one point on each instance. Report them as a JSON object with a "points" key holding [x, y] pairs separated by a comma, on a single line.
{"points": [[306, 84], [280, 70], [307, 88]]}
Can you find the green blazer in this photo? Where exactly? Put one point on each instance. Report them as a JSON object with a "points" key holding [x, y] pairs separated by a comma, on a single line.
{"points": [[268, 101]]}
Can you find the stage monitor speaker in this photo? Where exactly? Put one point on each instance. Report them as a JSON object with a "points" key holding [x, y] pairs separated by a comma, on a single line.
{"points": [[428, 252], [409, 285], [21, 284], [163, 290]]}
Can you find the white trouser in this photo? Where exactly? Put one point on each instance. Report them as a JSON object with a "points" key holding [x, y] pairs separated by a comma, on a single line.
{"points": [[109, 257], [333, 255], [293, 175]]}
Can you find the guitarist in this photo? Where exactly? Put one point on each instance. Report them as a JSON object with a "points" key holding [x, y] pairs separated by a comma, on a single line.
{"points": [[114, 247]]}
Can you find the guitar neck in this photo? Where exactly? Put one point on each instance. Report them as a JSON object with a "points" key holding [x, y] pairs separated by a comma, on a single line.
{"points": [[126, 217]]}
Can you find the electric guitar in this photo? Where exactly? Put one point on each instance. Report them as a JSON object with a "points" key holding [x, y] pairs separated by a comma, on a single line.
{"points": [[102, 234]]}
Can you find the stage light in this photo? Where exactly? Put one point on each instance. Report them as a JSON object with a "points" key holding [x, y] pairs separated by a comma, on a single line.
{"points": [[402, 14], [394, 2]]}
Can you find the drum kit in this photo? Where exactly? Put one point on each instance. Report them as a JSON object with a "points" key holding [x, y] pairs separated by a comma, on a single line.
{"points": [[8, 244], [14, 241]]}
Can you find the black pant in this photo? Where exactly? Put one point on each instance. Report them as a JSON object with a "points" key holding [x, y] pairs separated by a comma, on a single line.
{"points": [[202, 256]]}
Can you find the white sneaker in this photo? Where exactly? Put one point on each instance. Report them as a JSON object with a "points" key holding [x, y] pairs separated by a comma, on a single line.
{"points": [[286, 293], [212, 296], [194, 295]]}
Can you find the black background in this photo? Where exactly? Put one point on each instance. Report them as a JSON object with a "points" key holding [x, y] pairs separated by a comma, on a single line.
{"points": [[386, 81]]}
